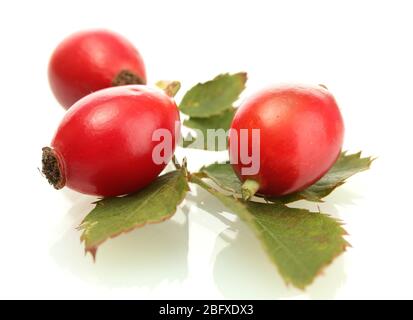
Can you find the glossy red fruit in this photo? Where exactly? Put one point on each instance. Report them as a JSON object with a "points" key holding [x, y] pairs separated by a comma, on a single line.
{"points": [[104, 144], [91, 60], [301, 135]]}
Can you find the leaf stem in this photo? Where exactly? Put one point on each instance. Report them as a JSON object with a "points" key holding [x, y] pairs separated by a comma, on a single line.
{"points": [[171, 88], [176, 163], [249, 189], [194, 178]]}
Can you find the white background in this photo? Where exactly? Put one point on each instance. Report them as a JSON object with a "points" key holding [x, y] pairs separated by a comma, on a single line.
{"points": [[362, 50]]}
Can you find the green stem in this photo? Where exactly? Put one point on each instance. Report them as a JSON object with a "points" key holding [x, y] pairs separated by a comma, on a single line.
{"points": [[171, 88], [249, 189], [175, 163], [197, 180]]}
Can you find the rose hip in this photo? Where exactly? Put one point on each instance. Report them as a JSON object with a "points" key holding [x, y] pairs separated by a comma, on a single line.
{"points": [[104, 144], [301, 135], [91, 60]]}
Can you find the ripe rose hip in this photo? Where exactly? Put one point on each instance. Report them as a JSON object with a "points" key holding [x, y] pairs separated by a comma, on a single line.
{"points": [[104, 144], [88, 61], [301, 135]]}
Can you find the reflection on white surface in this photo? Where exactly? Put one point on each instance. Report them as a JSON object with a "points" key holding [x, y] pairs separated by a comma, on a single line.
{"points": [[144, 257], [150, 257], [241, 269]]}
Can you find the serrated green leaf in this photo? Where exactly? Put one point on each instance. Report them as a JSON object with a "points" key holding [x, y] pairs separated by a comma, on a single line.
{"points": [[224, 176], [113, 216], [202, 125], [300, 243], [346, 166], [213, 97]]}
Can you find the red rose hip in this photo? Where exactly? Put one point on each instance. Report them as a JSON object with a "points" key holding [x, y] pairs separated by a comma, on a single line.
{"points": [[300, 137], [105, 143], [91, 60]]}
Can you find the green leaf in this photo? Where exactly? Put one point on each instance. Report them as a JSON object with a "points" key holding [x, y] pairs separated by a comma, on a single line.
{"points": [[224, 176], [213, 97], [346, 166], [114, 216], [202, 125], [300, 243]]}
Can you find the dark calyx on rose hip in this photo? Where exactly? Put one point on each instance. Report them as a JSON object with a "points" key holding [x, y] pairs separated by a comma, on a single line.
{"points": [[51, 168], [126, 77]]}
